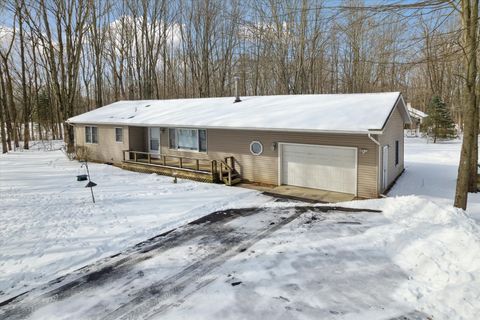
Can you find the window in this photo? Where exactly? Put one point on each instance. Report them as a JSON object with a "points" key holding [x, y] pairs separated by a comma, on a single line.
{"points": [[154, 136], [188, 139], [256, 148], [118, 134], [91, 134], [397, 146]]}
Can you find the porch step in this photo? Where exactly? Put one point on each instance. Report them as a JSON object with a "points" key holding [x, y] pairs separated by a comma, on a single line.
{"points": [[235, 181]]}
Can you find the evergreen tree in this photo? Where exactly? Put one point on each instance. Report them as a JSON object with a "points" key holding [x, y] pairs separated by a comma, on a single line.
{"points": [[439, 123]]}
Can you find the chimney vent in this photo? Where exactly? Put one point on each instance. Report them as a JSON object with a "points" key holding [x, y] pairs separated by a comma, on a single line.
{"points": [[237, 95]]}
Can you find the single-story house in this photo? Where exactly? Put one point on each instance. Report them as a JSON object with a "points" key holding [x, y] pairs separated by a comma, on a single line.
{"points": [[417, 117], [350, 143]]}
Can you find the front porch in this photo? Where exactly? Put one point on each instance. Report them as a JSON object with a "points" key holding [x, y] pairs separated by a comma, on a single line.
{"points": [[204, 170]]}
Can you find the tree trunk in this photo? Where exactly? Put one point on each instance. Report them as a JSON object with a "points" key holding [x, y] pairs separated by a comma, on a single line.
{"points": [[470, 34], [26, 107]]}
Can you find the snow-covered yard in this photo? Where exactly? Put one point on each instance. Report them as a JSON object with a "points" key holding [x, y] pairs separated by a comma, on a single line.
{"points": [[431, 172], [419, 258], [49, 225]]}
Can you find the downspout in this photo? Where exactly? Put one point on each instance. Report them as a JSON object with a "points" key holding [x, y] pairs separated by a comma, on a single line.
{"points": [[379, 163]]}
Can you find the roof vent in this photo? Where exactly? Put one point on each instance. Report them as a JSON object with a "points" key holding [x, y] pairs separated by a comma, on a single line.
{"points": [[237, 95]]}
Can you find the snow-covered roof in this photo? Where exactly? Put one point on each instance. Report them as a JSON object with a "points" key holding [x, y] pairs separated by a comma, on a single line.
{"points": [[349, 113], [415, 113]]}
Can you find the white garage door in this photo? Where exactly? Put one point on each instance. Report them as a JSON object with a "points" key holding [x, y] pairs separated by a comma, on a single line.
{"points": [[319, 167]]}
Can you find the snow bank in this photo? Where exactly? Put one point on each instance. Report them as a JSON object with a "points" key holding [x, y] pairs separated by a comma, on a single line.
{"points": [[439, 248]]}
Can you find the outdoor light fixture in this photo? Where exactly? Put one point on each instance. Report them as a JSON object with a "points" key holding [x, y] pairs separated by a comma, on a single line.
{"points": [[363, 151], [274, 146]]}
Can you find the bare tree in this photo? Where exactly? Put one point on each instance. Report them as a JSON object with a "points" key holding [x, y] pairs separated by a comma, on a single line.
{"points": [[467, 170]]}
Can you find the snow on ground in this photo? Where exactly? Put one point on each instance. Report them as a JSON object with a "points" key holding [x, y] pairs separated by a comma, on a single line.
{"points": [[417, 259], [420, 257], [431, 172], [50, 225], [438, 247]]}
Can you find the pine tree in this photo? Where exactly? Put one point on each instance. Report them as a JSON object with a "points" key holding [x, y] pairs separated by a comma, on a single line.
{"points": [[439, 123]]}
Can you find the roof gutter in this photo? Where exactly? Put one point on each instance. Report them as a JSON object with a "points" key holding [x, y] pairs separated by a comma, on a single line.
{"points": [[379, 172]]}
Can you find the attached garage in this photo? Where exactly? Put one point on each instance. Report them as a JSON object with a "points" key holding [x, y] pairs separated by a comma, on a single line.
{"points": [[329, 168]]}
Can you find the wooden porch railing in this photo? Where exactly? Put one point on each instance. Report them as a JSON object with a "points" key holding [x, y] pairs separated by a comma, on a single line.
{"points": [[178, 162], [219, 170]]}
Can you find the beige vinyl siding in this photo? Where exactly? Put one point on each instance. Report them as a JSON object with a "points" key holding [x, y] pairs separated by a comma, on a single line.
{"points": [[392, 132], [222, 143], [107, 149], [264, 168]]}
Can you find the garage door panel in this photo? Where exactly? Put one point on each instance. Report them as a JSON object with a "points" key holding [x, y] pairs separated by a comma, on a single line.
{"points": [[320, 167]]}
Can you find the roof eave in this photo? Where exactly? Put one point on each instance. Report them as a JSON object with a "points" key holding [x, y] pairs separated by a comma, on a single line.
{"points": [[375, 131]]}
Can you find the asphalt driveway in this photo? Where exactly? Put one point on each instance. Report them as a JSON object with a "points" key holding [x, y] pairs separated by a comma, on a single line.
{"points": [[156, 278]]}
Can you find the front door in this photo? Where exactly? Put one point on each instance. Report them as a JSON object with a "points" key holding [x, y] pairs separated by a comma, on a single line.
{"points": [[385, 168], [154, 141]]}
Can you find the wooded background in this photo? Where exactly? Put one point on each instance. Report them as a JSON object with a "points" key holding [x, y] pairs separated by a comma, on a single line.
{"points": [[60, 58]]}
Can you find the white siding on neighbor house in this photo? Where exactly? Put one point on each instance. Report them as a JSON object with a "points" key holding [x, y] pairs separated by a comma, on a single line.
{"points": [[393, 131]]}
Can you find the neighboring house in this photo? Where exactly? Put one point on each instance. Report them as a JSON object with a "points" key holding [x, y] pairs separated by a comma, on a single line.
{"points": [[350, 143], [417, 117]]}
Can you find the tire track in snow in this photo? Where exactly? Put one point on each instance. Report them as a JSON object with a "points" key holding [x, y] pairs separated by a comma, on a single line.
{"points": [[225, 242], [146, 304], [115, 268]]}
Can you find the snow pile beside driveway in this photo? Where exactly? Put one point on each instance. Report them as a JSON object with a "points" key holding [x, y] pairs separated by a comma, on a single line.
{"points": [[50, 227], [439, 248]]}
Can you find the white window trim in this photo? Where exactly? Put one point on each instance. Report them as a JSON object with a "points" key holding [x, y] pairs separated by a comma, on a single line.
{"points": [[175, 129], [115, 133], [261, 148], [91, 135]]}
